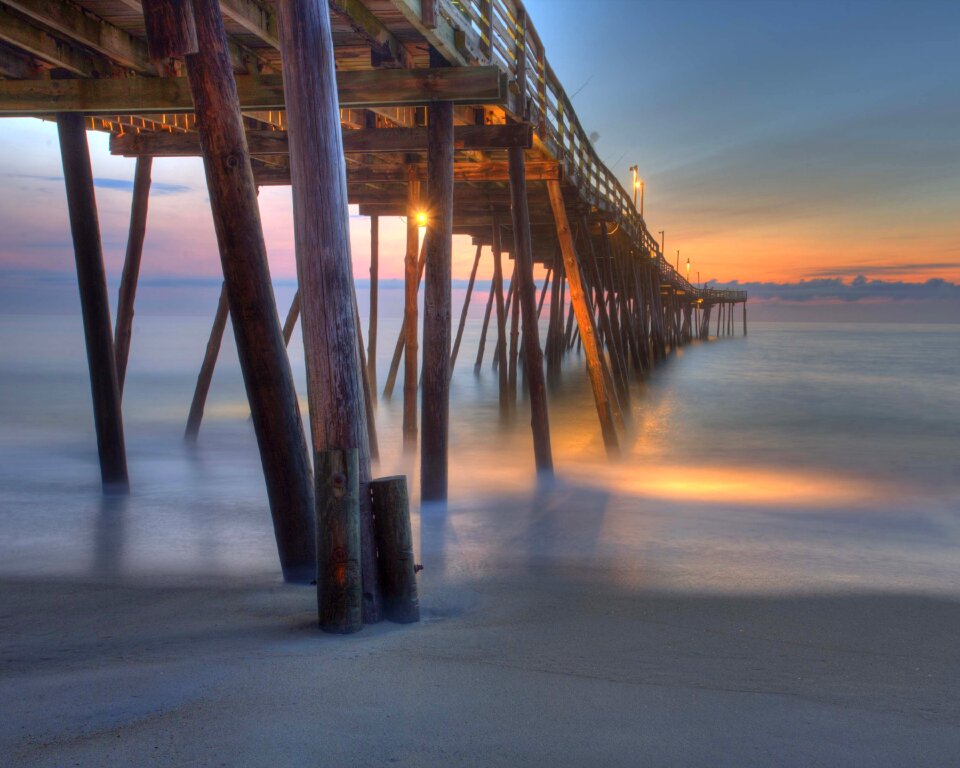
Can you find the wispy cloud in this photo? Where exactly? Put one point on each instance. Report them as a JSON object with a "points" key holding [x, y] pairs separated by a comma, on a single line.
{"points": [[860, 289], [158, 188], [857, 270]]}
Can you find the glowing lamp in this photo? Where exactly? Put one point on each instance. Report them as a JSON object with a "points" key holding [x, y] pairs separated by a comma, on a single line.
{"points": [[421, 219]]}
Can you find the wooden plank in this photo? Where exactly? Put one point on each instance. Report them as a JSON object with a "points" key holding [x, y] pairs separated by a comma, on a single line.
{"points": [[91, 32], [21, 34], [463, 172], [148, 95], [364, 140], [385, 48]]}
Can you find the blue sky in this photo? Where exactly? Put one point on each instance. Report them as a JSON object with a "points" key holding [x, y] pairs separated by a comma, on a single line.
{"points": [[779, 141]]}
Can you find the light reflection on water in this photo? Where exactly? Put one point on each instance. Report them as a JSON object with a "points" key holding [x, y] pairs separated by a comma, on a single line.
{"points": [[801, 456]]}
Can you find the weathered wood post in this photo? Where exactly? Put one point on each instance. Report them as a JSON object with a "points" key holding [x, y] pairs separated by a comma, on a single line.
{"points": [[501, 348], [391, 510], [292, 315], [131, 266], [584, 320], [745, 317], [483, 331], [236, 216], [94, 301], [339, 580], [514, 312], [322, 237], [374, 289], [402, 335], [411, 321], [206, 369], [435, 410], [466, 307], [526, 290]]}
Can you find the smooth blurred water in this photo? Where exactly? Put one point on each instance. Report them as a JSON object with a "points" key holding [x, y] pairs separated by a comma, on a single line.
{"points": [[799, 456]]}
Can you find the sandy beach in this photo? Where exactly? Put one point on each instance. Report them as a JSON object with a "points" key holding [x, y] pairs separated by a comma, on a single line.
{"points": [[573, 628]]}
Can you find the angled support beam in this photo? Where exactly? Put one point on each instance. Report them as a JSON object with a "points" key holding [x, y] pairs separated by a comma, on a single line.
{"points": [[585, 323], [94, 303], [150, 95], [131, 266], [263, 358]]}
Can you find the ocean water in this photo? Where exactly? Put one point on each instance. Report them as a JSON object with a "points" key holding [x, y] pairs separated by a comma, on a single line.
{"points": [[800, 457]]}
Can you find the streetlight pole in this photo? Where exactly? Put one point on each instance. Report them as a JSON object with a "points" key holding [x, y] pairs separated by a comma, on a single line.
{"points": [[636, 184], [678, 260], [688, 269], [661, 241]]}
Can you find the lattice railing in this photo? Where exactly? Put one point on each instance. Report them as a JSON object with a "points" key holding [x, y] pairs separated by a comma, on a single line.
{"points": [[502, 34]]}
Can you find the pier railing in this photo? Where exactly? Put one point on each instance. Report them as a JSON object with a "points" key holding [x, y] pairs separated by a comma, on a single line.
{"points": [[500, 32]]}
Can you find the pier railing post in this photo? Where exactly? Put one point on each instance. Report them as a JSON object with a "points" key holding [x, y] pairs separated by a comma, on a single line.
{"points": [[94, 301]]}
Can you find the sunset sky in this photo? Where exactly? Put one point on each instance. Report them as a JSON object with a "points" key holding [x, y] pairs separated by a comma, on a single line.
{"points": [[780, 142]]}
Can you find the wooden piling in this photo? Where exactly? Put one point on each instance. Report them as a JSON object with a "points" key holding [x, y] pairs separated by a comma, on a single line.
{"points": [[435, 411], [263, 358], [131, 266], [466, 307], [402, 335], [339, 579], [411, 320], [391, 512], [514, 351], [744, 318], [206, 369], [374, 289], [526, 291], [291, 322], [483, 331], [584, 319], [501, 351], [94, 301]]}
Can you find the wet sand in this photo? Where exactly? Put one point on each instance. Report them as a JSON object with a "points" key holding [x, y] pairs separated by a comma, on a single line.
{"points": [[540, 645]]}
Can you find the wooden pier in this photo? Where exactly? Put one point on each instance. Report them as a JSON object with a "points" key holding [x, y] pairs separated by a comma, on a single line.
{"points": [[445, 109]]}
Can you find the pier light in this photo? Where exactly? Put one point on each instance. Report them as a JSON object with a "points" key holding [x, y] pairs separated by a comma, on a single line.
{"points": [[688, 269]]}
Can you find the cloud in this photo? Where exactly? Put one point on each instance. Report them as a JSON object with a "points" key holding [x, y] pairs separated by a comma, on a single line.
{"points": [[857, 270], [836, 290], [157, 188]]}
